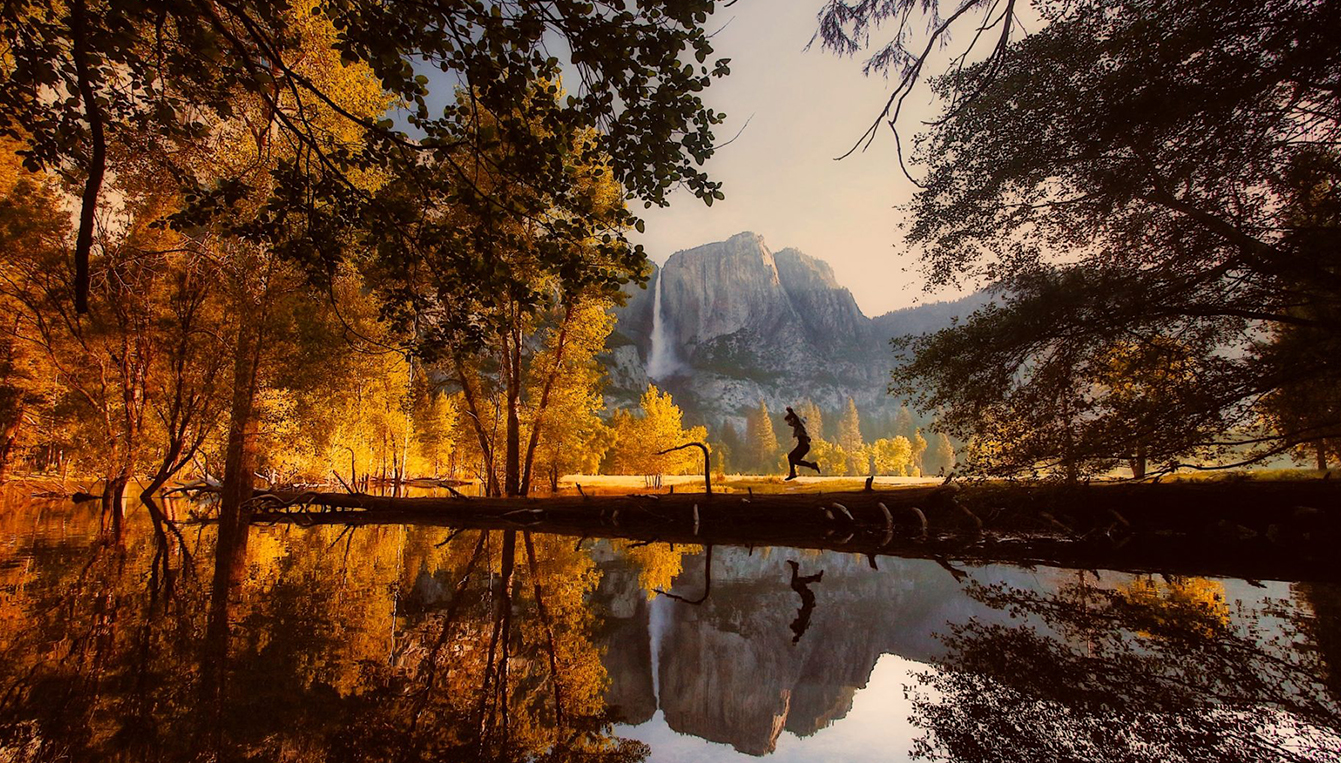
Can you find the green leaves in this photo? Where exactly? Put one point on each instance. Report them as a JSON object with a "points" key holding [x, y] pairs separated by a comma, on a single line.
{"points": [[1121, 176]]}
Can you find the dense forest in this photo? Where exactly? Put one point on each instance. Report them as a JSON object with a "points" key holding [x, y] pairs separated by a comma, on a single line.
{"points": [[258, 239]]}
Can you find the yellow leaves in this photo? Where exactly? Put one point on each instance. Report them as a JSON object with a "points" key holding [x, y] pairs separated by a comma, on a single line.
{"points": [[832, 459], [658, 563], [892, 455], [1179, 605], [656, 427], [250, 141]]}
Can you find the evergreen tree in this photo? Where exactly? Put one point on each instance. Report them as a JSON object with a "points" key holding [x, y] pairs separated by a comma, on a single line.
{"points": [[812, 417], [943, 455], [728, 451], [903, 423], [919, 450], [761, 441], [849, 438]]}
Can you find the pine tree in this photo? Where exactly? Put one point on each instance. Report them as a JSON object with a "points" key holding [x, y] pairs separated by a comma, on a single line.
{"points": [[728, 451], [919, 446], [850, 440], [943, 455], [812, 417], [761, 442], [903, 423]]}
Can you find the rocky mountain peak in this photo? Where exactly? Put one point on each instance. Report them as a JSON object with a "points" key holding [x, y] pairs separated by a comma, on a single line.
{"points": [[799, 271], [750, 324], [721, 288]]}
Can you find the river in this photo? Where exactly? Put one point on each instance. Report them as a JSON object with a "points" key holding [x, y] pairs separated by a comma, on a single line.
{"points": [[401, 642]]}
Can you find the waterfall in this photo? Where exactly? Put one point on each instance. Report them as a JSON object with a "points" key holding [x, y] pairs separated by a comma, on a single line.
{"points": [[661, 358], [657, 623]]}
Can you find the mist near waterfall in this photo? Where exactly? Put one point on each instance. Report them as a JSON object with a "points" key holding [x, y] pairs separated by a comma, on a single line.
{"points": [[663, 361]]}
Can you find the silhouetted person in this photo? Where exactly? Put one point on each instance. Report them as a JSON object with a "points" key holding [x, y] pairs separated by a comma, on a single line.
{"points": [[802, 445], [801, 584]]}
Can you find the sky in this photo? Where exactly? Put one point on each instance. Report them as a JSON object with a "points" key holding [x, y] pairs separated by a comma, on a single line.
{"points": [[781, 180], [791, 112]]}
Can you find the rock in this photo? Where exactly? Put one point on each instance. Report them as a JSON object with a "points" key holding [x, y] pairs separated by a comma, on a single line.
{"points": [[749, 325]]}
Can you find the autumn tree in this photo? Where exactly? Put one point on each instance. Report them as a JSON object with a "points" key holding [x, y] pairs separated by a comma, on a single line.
{"points": [[170, 69], [572, 438], [832, 458], [524, 328], [892, 456], [656, 426], [270, 117]]}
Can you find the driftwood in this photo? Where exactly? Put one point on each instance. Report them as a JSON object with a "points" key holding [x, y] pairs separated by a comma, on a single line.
{"points": [[707, 466], [1251, 530]]}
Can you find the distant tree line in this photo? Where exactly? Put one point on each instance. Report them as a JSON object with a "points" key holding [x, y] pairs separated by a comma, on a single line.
{"points": [[855, 446]]}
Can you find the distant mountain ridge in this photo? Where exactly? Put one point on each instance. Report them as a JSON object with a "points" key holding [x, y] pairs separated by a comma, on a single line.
{"points": [[750, 324]]}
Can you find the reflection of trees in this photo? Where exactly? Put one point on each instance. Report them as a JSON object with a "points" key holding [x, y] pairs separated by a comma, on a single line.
{"points": [[318, 648], [1144, 672]]}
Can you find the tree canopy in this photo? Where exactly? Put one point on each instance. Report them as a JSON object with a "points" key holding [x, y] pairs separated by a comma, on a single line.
{"points": [[1152, 188], [79, 78]]}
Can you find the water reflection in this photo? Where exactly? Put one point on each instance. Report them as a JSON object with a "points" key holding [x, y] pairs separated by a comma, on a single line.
{"points": [[136, 640]]}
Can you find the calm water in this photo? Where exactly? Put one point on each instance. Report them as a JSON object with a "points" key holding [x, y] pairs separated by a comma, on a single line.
{"points": [[407, 643]]}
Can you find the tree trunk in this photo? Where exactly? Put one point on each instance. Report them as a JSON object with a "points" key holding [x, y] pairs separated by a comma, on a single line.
{"points": [[10, 438], [113, 491], [1320, 451], [1138, 463], [240, 464], [543, 405], [512, 370], [473, 412]]}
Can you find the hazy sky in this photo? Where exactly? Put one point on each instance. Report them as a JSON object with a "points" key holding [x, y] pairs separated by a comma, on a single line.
{"points": [[781, 180]]}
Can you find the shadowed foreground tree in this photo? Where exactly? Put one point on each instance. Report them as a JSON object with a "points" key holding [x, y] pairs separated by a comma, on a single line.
{"points": [[79, 77], [1145, 672], [1149, 181], [308, 174]]}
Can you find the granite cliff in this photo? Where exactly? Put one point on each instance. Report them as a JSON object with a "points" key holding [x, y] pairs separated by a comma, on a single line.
{"points": [[751, 324]]}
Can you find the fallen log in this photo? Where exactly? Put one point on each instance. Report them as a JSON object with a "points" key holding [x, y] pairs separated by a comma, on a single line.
{"points": [[1253, 530]]}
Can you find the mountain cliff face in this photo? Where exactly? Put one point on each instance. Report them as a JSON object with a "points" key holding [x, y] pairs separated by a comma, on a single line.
{"points": [[750, 324], [732, 669]]}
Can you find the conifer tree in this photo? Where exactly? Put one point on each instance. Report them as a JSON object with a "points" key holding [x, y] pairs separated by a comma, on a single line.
{"points": [[761, 441], [812, 417], [849, 439], [903, 423], [919, 450], [943, 455]]}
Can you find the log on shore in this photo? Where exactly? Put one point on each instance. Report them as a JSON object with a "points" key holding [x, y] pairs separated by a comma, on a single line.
{"points": [[1263, 530]]}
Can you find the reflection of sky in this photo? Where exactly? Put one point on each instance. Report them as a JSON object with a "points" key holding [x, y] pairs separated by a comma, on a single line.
{"points": [[878, 727], [875, 729]]}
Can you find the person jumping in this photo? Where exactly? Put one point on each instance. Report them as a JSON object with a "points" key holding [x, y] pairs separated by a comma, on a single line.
{"points": [[802, 444]]}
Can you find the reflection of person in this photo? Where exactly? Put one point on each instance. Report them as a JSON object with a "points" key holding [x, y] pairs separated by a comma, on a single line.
{"points": [[802, 445]]}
